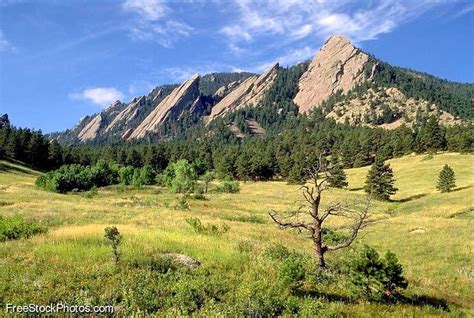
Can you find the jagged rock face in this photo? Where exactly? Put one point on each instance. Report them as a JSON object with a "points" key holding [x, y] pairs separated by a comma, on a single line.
{"points": [[181, 100], [128, 114], [224, 90], [337, 66], [249, 92], [91, 128]]}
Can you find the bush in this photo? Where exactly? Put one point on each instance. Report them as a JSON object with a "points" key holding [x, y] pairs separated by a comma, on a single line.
{"points": [[276, 252], [377, 277], [199, 193], [292, 272], [180, 177], [227, 187], [209, 229], [14, 228]]}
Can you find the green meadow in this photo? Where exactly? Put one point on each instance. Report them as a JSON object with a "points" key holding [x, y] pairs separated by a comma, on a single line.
{"points": [[431, 233]]}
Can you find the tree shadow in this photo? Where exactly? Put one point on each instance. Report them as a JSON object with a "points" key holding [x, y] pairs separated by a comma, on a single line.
{"points": [[356, 189], [423, 300], [417, 300], [8, 168], [328, 296], [461, 188], [411, 198]]}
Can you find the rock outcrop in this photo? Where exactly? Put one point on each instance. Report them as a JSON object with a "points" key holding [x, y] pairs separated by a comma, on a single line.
{"points": [[337, 66], [182, 99], [91, 128], [128, 114], [249, 92], [388, 108]]}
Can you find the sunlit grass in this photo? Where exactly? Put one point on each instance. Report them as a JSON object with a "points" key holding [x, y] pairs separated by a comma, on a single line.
{"points": [[431, 233]]}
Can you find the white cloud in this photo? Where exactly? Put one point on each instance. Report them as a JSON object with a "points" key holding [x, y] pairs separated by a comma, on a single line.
{"points": [[154, 24], [102, 96], [148, 9], [295, 20], [5, 45]]}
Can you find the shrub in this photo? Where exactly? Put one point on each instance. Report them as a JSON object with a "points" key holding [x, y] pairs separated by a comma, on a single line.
{"points": [[180, 177], [199, 193], [292, 272], [227, 187], [113, 238], [330, 236], [126, 175], [209, 229], [276, 252], [14, 228], [375, 276]]}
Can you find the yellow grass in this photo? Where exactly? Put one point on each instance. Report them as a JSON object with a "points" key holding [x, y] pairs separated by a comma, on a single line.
{"points": [[431, 233]]}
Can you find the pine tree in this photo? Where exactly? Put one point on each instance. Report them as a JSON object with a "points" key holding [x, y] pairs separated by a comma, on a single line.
{"points": [[337, 176], [446, 179], [380, 180]]}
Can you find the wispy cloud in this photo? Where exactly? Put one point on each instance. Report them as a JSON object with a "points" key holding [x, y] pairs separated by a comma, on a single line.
{"points": [[153, 22], [102, 96], [151, 10], [300, 19], [5, 45]]}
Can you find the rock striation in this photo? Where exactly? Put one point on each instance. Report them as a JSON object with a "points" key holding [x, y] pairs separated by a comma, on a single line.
{"points": [[338, 65], [91, 128], [182, 99], [249, 92]]}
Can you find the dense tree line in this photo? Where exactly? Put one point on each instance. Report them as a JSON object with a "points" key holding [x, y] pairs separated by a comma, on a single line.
{"points": [[283, 154]]}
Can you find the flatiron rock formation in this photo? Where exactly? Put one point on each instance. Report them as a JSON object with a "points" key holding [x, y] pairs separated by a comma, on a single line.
{"points": [[337, 66]]}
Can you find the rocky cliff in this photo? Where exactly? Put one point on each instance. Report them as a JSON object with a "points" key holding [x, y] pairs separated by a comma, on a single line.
{"points": [[183, 98], [249, 92], [337, 66]]}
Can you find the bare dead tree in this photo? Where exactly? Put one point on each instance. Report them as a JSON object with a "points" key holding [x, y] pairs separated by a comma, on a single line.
{"points": [[309, 217]]}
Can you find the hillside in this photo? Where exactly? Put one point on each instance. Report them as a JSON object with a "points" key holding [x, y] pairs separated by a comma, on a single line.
{"points": [[347, 84], [418, 225]]}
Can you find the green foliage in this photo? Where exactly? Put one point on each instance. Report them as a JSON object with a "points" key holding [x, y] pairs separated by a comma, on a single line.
{"points": [[337, 176], [292, 272], [15, 228], [331, 236], [209, 229], [227, 187], [446, 179], [276, 252], [207, 178], [180, 177], [82, 178], [375, 276], [380, 180], [113, 238], [199, 193]]}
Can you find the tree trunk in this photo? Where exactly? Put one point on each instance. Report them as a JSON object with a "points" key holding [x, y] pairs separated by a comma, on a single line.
{"points": [[205, 186], [318, 249]]}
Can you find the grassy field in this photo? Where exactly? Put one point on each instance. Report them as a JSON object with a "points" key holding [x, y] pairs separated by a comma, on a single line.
{"points": [[431, 233]]}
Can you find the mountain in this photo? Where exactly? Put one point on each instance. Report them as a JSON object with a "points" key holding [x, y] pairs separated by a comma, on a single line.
{"points": [[337, 66], [344, 83]]}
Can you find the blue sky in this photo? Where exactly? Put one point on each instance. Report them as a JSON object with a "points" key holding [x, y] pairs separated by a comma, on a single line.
{"points": [[63, 59]]}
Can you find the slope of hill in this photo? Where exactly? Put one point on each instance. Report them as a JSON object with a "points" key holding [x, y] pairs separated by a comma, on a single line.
{"points": [[418, 225]]}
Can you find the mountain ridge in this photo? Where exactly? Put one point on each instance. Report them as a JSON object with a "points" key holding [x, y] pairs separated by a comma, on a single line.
{"points": [[341, 79]]}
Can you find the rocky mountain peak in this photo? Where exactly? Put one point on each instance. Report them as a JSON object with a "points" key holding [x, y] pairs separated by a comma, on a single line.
{"points": [[337, 66], [182, 99], [249, 92]]}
